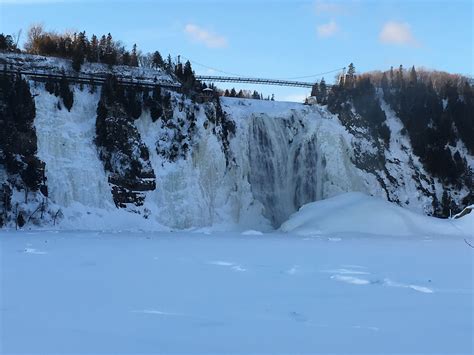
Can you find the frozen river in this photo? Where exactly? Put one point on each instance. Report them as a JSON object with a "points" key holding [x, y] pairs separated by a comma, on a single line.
{"points": [[91, 292]]}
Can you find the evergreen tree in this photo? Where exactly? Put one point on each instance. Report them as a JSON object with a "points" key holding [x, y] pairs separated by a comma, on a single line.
{"points": [[400, 80], [157, 60], [384, 83], [315, 90], [77, 59], [7, 43], [102, 49], [351, 70], [93, 55], [126, 58], [134, 57], [322, 92], [169, 63], [110, 55], [188, 71], [413, 76]]}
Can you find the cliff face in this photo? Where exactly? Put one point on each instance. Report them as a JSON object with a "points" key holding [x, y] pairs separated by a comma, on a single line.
{"points": [[159, 160]]}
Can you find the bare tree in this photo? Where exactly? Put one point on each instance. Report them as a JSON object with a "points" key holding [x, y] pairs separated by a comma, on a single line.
{"points": [[34, 33]]}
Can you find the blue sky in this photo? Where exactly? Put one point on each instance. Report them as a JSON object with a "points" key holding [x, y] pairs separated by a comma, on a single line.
{"points": [[271, 38]]}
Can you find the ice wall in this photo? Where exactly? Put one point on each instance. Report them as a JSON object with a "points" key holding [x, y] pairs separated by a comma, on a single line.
{"points": [[201, 190], [66, 144]]}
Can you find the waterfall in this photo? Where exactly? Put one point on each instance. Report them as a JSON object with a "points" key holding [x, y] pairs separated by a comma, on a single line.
{"points": [[283, 156], [285, 165]]}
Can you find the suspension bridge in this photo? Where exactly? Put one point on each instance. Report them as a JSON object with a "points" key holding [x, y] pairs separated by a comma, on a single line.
{"points": [[259, 81], [228, 77], [147, 82]]}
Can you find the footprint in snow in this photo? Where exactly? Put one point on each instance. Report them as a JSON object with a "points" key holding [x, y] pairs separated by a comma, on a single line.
{"points": [[232, 266], [352, 266], [157, 312], [298, 317], [293, 270], [33, 251], [350, 280], [375, 329], [344, 271], [418, 288], [344, 275]]}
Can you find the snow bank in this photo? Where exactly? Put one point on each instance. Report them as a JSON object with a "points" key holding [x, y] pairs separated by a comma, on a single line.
{"points": [[362, 214]]}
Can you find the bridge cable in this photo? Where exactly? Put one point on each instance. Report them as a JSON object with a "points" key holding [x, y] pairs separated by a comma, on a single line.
{"points": [[315, 75], [208, 67], [240, 75]]}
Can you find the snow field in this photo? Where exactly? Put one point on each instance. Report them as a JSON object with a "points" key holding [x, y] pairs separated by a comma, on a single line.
{"points": [[97, 292]]}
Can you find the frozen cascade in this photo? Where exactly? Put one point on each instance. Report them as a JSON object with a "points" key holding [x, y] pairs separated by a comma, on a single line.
{"points": [[284, 155], [66, 144], [285, 166], [199, 191], [292, 154]]}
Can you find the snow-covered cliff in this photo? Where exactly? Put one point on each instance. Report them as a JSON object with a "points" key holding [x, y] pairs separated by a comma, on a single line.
{"points": [[284, 155], [274, 158]]}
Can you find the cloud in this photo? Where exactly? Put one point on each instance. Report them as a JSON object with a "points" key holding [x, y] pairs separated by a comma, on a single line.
{"points": [[398, 33], [328, 29], [329, 7], [202, 35]]}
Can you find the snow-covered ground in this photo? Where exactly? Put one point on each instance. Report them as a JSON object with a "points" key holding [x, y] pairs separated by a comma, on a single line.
{"points": [[94, 292]]}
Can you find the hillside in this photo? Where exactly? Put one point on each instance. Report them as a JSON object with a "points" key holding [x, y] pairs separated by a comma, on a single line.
{"points": [[134, 158]]}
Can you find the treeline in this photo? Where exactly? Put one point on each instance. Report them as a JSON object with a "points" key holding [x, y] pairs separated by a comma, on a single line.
{"points": [[437, 79], [434, 119], [7, 43], [78, 47], [105, 49], [436, 109], [362, 94], [245, 94]]}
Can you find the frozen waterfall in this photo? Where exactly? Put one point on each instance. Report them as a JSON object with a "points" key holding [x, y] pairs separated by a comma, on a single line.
{"points": [[284, 155]]}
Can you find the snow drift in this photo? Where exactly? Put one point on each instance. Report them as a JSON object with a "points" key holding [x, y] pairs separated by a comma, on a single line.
{"points": [[357, 213]]}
